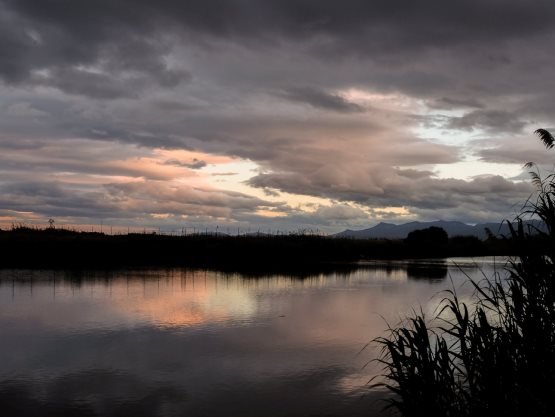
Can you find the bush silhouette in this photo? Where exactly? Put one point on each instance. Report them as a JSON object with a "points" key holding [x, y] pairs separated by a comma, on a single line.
{"points": [[430, 236], [431, 241]]}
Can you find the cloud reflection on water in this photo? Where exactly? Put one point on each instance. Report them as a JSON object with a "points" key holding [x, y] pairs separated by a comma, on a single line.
{"points": [[201, 343]]}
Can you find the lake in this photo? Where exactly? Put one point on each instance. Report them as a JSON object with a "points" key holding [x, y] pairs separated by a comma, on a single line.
{"points": [[178, 342]]}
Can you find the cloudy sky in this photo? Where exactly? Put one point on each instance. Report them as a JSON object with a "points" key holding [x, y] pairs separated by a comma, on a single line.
{"points": [[273, 114]]}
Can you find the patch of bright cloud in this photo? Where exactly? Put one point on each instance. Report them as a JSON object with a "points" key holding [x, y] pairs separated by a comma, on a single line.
{"points": [[474, 168]]}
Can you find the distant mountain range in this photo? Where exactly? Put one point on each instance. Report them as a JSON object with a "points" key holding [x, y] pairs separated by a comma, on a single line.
{"points": [[453, 228]]}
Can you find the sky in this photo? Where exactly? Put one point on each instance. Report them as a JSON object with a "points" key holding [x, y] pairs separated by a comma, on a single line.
{"points": [[289, 115]]}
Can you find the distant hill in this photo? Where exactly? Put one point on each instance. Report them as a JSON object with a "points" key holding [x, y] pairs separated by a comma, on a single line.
{"points": [[453, 228]]}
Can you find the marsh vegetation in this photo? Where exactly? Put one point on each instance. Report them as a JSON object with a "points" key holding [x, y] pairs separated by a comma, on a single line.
{"points": [[24, 247], [495, 354]]}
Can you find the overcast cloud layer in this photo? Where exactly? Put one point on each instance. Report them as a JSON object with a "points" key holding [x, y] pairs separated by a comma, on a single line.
{"points": [[274, 114]]}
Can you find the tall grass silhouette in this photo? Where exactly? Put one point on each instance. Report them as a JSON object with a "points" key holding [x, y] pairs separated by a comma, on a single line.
{"points": [[495, 356]]}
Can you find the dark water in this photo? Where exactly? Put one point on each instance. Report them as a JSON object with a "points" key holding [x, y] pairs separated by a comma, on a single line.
{"points": [[201, 343]]}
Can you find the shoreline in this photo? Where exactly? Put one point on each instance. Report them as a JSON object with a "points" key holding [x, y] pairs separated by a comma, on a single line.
{"points": [[64, 249]]}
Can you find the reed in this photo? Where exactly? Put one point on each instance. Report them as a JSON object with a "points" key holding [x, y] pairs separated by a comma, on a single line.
{"points": [[495, 356]]}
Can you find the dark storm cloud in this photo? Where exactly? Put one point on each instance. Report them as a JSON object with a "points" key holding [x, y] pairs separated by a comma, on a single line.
{"points": [[321, 99], [189, 198], [134, 35], [450, 103], [194, 164], [456, 21], [109, 49], [81, 82], [499, 120], [126, 201], [518, 149], [339, 100], [64, 39], [377, 187], [54, 199]]}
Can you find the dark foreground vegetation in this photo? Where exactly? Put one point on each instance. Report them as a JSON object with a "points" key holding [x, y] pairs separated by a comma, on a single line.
{"points": [[494, 356], [23, 247]]}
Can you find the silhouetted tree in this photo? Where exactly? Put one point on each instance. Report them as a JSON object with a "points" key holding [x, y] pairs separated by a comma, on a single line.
{"points": [[435, 236]]}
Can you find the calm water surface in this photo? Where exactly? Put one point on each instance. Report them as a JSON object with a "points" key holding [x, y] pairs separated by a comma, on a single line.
{"points": [[200, 343]]}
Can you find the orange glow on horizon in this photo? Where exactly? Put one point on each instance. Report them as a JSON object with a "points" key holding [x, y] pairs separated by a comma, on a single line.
{"points": [[270, 213]]}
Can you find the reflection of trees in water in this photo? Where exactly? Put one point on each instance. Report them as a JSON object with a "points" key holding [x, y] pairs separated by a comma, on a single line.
{"points": [[418, 269], [80, 277], [432, 271]]}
